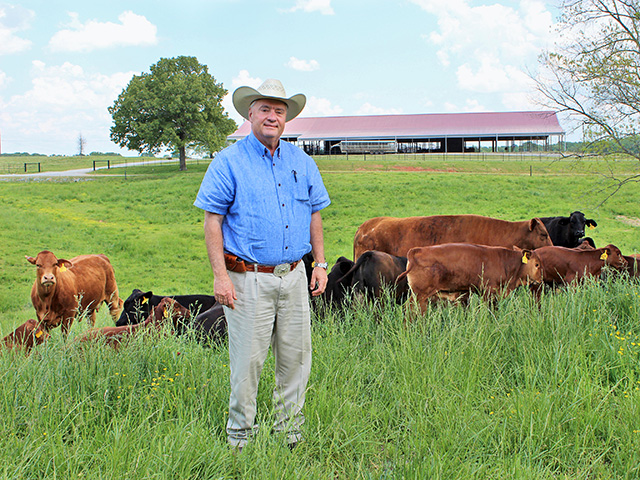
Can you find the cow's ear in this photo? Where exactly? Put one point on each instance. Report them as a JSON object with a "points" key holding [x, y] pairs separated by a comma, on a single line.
{"points": [[64, 264], [533, 222], [146, 297], [526, 256], [591, 223], [605, 254], [31, 260]]}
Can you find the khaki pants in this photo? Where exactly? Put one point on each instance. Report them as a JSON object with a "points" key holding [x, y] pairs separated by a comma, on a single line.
{"points": [[274, 311]]}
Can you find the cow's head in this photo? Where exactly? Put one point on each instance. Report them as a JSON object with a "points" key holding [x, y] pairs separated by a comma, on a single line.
{"points": [[539, 235], [170, 310], [136, 307], [531, 270], [49, 267], [613, 257], [577, 223]]}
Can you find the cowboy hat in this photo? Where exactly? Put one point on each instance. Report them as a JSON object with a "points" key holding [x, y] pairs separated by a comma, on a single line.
{"points": [[271, 88]]}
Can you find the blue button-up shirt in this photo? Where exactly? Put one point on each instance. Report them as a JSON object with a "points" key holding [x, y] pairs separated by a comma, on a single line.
{"points": [[267, 200]]}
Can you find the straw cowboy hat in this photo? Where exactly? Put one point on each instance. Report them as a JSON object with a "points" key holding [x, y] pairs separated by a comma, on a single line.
{"points": [[271, 88]]}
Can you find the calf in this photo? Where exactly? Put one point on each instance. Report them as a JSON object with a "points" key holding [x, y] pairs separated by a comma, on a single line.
{"points": [[375, 271], [452, 270], [66, 288], [566, 265], [139, 304], [567, 231], [27, 335], [114, 336]]}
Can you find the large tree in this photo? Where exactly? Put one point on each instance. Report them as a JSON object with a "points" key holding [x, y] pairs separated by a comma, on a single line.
{"points": [[593, 73], [176, 106]]}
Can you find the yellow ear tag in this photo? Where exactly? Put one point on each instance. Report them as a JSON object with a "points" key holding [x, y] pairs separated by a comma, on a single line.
{"points": [[63, 268], [525, 259], [165, 314], [144, 300], [592, 227], [603, 256], [39, 334]]}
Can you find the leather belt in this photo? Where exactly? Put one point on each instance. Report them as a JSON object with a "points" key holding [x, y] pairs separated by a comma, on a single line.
{"points": [[236, 264], [277, 270]]}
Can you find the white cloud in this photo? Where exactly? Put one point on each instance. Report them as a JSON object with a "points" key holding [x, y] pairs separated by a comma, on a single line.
{"points": [[490, 45], [369, 109], [302, 65], [243, 79], [13, 18], [63, 100], [320, 107], [322, 6], [470, 105], [3, 79], [133, 30]]}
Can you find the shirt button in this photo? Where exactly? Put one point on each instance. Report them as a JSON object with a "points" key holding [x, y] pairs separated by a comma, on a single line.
{"points": [[286, 226], [283, 204]]}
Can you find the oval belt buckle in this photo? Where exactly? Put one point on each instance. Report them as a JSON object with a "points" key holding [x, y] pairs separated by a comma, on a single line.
{"points": [[282, 269]]}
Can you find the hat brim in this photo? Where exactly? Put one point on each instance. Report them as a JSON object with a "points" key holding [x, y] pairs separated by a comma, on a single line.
{"points": [[243, 97]]}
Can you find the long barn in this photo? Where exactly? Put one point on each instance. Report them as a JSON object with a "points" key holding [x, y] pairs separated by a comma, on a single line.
{"points": [[416, 133]]}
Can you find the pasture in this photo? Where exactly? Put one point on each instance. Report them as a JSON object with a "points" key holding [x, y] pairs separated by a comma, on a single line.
{"points": [[513, 391]]}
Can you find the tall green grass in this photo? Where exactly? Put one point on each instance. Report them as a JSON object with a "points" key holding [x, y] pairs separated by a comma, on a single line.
{"points": [[511, 390]]}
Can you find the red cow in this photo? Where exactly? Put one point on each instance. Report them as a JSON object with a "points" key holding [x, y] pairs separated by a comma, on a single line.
{"points": [[565, 265], [114, 336], [450, 271], [397, 235], [66, 288], [27, 335]]}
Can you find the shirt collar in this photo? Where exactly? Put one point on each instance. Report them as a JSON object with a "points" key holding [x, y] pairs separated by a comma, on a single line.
{"points": [[259, 148]]}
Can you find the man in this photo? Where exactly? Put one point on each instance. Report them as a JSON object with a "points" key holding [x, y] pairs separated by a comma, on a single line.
{"points": [[262, 199]]}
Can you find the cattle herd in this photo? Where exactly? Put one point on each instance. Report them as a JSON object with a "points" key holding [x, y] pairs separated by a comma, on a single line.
{"points": [[429, 259]]}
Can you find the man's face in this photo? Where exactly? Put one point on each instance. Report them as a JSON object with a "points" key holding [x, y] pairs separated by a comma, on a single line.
{"points": [[267, 119]]}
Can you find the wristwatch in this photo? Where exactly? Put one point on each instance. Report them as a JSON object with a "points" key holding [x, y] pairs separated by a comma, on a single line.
{"points": [[324, 265]]}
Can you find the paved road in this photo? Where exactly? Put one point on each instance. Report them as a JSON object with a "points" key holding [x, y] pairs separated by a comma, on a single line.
{"points": [[81, 172]]}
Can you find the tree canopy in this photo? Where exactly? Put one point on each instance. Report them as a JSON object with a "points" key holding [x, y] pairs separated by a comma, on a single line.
{"points": [[593, 73], [176, 106]]}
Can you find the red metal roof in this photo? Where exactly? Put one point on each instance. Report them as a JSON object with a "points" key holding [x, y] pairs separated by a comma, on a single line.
{"points": [[430, 125]]}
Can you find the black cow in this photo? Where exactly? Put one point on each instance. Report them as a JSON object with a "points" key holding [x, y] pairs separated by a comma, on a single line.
{"points": [[139, 305], [336, 290], [375, 271], [567, 231], [209, 327]]}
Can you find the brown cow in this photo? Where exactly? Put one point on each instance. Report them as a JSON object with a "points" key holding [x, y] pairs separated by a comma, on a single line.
{"points": [[114, 336], [633, 265], [27, 335], [60, 284], [397, 235], [450, 271], [565, 265]]}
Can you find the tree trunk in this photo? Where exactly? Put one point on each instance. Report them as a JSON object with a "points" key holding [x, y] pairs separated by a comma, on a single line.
{"points": [[183, 159]]}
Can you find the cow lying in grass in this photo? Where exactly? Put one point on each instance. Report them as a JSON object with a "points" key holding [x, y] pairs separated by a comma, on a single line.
{"points": [[26, 336], [138, 305], [167, 310]]}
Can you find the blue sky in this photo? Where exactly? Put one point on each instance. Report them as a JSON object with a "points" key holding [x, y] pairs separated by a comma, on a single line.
{"points": [[63, 63]]}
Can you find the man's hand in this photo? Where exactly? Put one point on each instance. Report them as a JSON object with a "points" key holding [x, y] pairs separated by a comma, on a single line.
{"points": [[224, 291], [319, 281]]}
